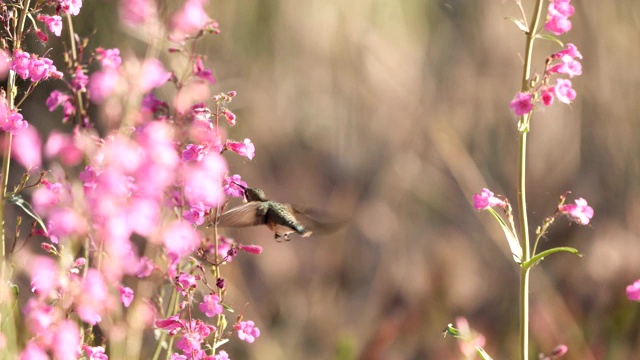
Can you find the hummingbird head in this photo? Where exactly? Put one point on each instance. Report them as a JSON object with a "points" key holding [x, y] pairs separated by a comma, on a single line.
{"points": [[252, 194]]}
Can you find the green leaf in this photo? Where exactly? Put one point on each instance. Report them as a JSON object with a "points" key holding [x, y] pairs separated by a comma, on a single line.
{"points": [[536, 259], [519, 24], [512, 239], [550, 38], [18, 200]]}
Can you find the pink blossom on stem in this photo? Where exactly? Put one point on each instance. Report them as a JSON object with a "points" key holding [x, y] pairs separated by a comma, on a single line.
{"points": [[109, 58], [522, 104], [633, 291], [251, 249], [10, 119], [189, 20], [33, 351], [196, 214], [80, 79], [222, 355], [44, 276], [247, 331], [203, 180], [210, 305], [126, 295], [102, 84], [54, 23], [145, 267], [558, 15], [245, 148], [93, 299], [231, 117], [55, 99], [137, 12], [193, 152], [232, 186], [580, 212], [63, 146], [485, 200], [204, 73], [70, 6], [95, 352], [547, 96], [570, 50], [563, 91], [172, 324]]}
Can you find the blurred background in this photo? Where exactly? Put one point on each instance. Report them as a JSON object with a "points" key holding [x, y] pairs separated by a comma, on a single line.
{"points": [[393, 114]]}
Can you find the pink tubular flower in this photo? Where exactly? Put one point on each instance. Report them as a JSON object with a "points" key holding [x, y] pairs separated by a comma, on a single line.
{"points": [[55, 99], [231, 117], [210, 305], [558, 16], [180, 238], [153, 75], [251, 249], [190, 19], [204, 73], [486, 200], [102, 84], [172, 324], [547, 96], [137, 12], [80, 79], [247, 331], [521, 104], [54, 23], [580, 213], [126, 295], [109, 58], [232, 186], [195, 214], [193, 152], [245, 148], [563, 91], [66, 341], [633, 291], [33, 351], [222, 355], [70, 6], [95, 353], [185, 282]]}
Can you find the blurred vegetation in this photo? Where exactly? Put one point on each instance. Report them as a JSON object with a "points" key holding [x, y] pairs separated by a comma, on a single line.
{"points": [[394, 113]]}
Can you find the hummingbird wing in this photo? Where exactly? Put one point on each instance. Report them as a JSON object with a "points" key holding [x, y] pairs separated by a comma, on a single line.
{"points": [[245, 215], [318, 221]]}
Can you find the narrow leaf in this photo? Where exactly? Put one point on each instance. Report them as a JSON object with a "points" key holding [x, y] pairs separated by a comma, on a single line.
{"points": [[518, 23], [512, 239], [483, 354], [18, 200], [550, 38]]}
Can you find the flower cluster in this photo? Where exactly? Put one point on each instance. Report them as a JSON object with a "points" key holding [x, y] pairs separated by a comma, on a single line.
{"points": [[564, 62]]}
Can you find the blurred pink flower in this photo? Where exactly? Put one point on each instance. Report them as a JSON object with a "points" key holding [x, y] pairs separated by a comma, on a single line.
{"points": [[26, 148], [563, 91], [180, 238], [633, 291], [63, 146], [190, 19], [580, 213], [33, 351], [66, 341], [137, 12], [126, 295], [152, 75], [44, 275], [102, 84], [486, 199], [93, 299], [54, 23]]}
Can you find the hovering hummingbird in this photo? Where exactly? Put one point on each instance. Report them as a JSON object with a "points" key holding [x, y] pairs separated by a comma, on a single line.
{"points": [[280, 218]]}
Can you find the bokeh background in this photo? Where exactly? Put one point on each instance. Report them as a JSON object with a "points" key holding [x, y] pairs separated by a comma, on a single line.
{"points": [[393, 114]]}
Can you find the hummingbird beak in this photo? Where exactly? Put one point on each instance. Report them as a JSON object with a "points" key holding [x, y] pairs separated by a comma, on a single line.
{"points": [[244, 190]]}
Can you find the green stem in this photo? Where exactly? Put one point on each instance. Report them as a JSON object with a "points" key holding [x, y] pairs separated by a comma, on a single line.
{"points": [[522, 198]]}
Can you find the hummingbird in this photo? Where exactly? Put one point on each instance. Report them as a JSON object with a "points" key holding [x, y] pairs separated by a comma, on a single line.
{"points": [[280, 218]]}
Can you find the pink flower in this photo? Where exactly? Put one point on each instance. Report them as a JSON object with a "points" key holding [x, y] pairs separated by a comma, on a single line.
{"points": [[222, 355], [102, 84], [547, 96], [172, 324], [486, 199], [558, 16], [633, 291], [210, 305], [521, 104], [44, 275], [152, 75], [145, 267], [92, 301], [204, 73], [55, 99], [63, 146], [126, 295], [4, 64], [95, 353], [33, 352], [193, 152], [137, 12], [232, 186], [251, 249], [563, 91], [10, 119], [53, 22], [247, 331], [70, 6], [180, 238], [203, 180], [580, 213], [196, 214], [65, 222], [80, 80], [190, 19], [571, 50], [231, 117], [109, 58], [66, 341], [245, 148], [26, 147]]}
